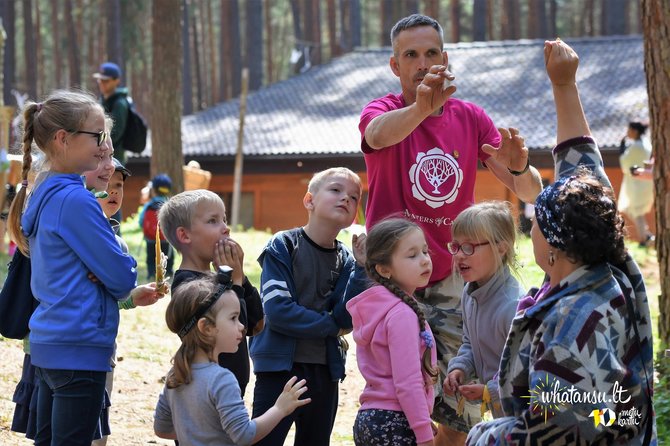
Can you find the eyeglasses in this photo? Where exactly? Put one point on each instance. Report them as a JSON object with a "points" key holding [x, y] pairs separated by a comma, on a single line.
{"points": [[102, 135], [466, 248]]}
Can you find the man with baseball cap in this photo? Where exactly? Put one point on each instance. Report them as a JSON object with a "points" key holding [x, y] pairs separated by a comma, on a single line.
{"points": [[115, 102]]}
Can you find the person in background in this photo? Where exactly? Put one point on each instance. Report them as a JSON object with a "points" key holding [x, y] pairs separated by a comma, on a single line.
{"points": [[161, 187], [114, 99], [636, 197]]}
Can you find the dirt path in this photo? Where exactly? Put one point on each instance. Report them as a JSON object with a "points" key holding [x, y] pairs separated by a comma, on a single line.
{"points": [[144, 348]]}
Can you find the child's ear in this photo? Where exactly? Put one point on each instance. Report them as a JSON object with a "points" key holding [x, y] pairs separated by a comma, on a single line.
{"points": [[308, 201], [205, 327], [383, 271], [183, 236]]}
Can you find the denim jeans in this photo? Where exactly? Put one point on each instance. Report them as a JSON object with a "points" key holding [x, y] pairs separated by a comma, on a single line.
{"points": [[68, 406]]}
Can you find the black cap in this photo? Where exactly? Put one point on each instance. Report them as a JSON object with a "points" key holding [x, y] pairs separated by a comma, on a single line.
{"points": [[118, 167]]}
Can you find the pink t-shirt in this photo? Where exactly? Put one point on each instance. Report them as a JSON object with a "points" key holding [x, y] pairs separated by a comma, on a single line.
{"points": [[429, 177]]}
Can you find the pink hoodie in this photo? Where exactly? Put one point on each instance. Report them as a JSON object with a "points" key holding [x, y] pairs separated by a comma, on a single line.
{"points": [[389, 351]]}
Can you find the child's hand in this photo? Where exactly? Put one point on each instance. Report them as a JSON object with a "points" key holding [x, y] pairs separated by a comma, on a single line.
{"points": [[512, 152], [561, 62], [289, 400], [453, 381], [472, 391], [145, 295], [358, 246], [228, 252]]}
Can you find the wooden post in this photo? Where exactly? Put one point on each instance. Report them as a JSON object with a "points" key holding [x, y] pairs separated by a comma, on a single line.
{"points": [[239, 156]]}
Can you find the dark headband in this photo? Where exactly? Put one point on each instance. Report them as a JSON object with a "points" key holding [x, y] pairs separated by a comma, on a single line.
{"points": [[224, 276], [549, 215]]}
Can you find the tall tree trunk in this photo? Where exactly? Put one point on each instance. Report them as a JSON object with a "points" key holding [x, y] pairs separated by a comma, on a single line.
{"points": [[187, 90], [114, 32], [254, 43], [615, 16], [490, 25], [331, 14], [230, 48], [479, 14], [410, 7], [455, 14], [308, 25], [551, 23], [215, 94], [513, 12], [269, 37], [656, 25], [589, 17], [101, 41], [73, 46], [9, 57], [316, 33], [345, 26], [533, 26], [29, 52], [205, 60], [40, 79], [196, 59], [298, 58], [432, 8], [386, 8], [166, 46], [355, 21]]}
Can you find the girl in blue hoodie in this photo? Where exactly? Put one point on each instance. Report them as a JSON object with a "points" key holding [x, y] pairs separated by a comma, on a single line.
{"points": [[67, 237]]}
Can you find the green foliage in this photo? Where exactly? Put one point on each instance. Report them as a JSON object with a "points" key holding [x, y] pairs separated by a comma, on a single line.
{"points": [[662, 400]]}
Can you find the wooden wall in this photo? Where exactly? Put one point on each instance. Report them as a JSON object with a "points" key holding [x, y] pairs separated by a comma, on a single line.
{"points": [[278, 197]]}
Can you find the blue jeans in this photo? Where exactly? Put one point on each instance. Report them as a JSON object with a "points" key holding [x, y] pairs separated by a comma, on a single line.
{"points": [[68, 406]]}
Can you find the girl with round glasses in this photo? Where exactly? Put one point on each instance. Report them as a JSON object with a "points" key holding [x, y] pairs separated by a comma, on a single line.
{"points": [[482, 244]]}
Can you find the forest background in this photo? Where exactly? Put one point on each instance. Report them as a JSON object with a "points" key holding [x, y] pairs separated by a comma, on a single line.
{"points": [[182, 56]]}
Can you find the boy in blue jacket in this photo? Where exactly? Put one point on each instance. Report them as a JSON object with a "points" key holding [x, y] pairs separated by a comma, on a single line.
{"points": [[307, 278]]}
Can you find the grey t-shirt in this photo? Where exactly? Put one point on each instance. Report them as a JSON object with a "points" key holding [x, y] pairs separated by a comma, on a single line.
{"points": [[207, 412], [315, 272]]}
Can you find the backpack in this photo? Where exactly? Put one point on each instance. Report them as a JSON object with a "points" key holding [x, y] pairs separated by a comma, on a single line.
{"points": [[150, 222], [135, 137], [16, 299]]}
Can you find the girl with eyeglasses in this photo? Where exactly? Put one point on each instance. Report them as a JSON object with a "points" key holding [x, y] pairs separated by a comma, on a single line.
{"points": [[201, 402], [483, 238], [67, 237]]}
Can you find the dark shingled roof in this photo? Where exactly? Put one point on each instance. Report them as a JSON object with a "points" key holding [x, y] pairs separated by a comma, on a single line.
{"points": [[318, 112]]}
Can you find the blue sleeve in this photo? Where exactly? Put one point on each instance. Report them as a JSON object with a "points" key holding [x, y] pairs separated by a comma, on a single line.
{"points": [[357, 282], [282, 313], [91, 238]]}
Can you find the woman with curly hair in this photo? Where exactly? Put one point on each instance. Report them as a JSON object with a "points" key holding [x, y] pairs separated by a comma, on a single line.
{"points": [[577, 364]]}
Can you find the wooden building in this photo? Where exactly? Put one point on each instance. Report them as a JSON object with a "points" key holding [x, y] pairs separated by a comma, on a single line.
{"points": [[310, 122]]}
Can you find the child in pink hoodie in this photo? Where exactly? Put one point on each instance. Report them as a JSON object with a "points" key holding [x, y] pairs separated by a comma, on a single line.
{"points": [[394, 345]]}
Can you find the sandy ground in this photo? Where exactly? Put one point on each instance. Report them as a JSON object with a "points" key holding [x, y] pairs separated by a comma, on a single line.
{"points": [[144, 348]]}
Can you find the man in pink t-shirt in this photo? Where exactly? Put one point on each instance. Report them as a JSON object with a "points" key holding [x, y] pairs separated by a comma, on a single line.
{"points": [[421, 150]]}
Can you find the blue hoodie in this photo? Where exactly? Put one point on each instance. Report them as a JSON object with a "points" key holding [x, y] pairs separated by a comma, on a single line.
{"points": [[76, 322]]}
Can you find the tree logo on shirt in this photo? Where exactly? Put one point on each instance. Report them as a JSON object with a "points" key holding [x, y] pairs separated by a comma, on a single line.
{"points": [[436, 177]]}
